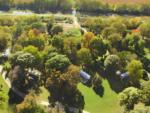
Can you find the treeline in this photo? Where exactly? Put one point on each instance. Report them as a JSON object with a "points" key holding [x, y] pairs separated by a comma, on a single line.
{"points": [[99, 7], [88, 6], [38, 6]]}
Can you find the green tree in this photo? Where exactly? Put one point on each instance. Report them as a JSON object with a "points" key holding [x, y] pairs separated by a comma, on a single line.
{"points": [[4, 39], [57, 62], [34, 51], [58, 42], [141, 109], [111, 63], [56, 29], [34, 38], [145, 92], [135, 70], [108, 31], [23, 59], [144, 28], [63, 88], [98, 46], [120, 27], [128, 98], [135, 43], [115, 40], [85, 57], [29, 105]]}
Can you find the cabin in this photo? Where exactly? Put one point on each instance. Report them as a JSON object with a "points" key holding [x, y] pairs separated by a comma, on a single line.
{"points": [[85, 76], [124, 76], [5, 54]]}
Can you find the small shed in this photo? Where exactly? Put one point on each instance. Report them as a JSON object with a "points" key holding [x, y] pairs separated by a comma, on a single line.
{"points": [[124, 76], [85, 76]]}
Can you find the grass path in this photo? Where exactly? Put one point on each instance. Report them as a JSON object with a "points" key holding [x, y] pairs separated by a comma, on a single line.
{"points": [[96, 104]]}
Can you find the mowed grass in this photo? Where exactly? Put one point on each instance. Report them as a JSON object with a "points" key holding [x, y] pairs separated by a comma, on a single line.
{"points": [[96, 104], [5, 108]]}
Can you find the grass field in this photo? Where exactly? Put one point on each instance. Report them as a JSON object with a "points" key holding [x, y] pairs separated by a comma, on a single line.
{"points": [[96, 104], [22, 1], [127, 1], [5, 107], [107, 1]]}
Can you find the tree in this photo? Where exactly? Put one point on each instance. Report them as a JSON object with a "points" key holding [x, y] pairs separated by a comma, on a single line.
{"points": [[71, 46], [111, 63], [97, 85], [135, 43], [128, 98], [145, 92], [108, 31], [34, 51], [34, 38], [144, 28], [58, 42], [141, 109], [57, 62], [40, 26], [4, 39], [125, 58], [120, 27], [98, 46], [63, 88], [4, 4], [115, 40], [135, 70], [56, 29], [25, 60], [87, 38], [29, 105], [85, 57]]}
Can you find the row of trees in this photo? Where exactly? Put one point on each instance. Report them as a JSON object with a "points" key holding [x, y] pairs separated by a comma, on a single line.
{"points": [[95, 6], [38, 5], [98, 7]]}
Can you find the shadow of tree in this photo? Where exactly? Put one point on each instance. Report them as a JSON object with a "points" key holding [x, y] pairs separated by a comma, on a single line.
{"points": [[114, 82], [99, 90]]}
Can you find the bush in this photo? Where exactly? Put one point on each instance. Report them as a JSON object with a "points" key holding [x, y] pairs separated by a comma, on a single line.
{"points": [[58, 62], [111, 63], [135, 69], [56, 29], [128, 98]]}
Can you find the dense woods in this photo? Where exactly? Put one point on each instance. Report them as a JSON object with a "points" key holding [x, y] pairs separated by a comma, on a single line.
{"points": [[59, 53], [110, 45]]}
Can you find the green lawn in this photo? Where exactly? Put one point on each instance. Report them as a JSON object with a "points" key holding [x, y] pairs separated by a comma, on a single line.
{"points": [[96, 104], [5, 107]]}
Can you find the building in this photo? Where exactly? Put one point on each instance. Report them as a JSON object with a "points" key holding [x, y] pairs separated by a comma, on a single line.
{"points": [[85, 76]]}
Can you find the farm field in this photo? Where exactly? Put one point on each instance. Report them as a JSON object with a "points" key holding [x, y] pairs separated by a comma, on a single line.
{"points": [[127, 1], [22, 1]]}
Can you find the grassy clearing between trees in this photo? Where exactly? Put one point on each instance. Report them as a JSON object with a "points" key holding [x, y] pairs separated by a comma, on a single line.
{"points": [[96, 104], [5, 108]]}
